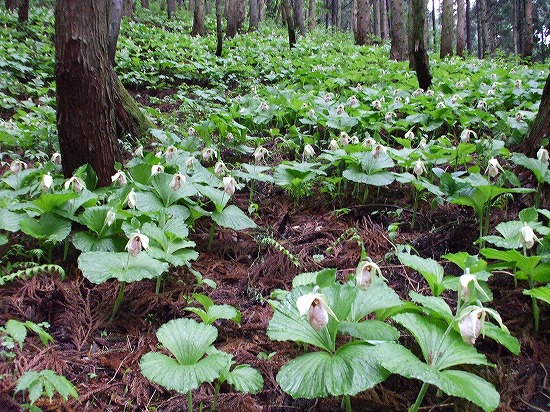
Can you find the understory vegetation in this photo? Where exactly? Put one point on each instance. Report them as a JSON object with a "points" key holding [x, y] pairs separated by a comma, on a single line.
{"points": [[304, 229]]}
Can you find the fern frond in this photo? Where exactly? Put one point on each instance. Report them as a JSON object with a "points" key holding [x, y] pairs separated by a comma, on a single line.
{"points": [[33, 270]]}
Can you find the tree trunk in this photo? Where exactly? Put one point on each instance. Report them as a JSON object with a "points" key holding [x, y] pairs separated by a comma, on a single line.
{"points": [[376, 17], [398, 31], [254, 15], [362, 22], [170, 8], [23, 12], [192, 6], [483, 15], [434, 31], [85, 89], [418, 47], [353, 16], [115, 17], [11, 5], [384, 30], [219, 28], [261, 10], [460, 28], [446, 29], [287, 15], [312, 15], [145, 4], [469, 42], [299, 16], [234, 13], [541, 126], [127, 9], [528, 35], [338, 13], [198, 19]]}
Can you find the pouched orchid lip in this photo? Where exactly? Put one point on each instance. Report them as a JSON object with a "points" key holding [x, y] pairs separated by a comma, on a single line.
{"points": [[304, 302], [77, 184], [136, 243]]}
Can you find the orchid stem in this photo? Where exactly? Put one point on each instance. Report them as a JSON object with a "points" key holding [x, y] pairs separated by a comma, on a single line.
{"points": [[419, 398], [189, 401], [347, 403], [118, 300]]}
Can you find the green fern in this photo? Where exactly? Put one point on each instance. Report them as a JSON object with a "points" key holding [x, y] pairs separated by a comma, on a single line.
{"points": [[33, 270], [349, 234], [265, 238], [46, 382]]}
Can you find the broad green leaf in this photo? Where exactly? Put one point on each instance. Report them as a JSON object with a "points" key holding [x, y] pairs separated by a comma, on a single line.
{"points": [[49, 201], [48, 227], [433, 305], [10, 220], [371, 331], [88, 242], [440, 350], [429, 268], [504, 338], [233, 218], [324, 277], [542, 293], [377, 297], [245, 379], [98, 267], [352, 369], [17, 331]]}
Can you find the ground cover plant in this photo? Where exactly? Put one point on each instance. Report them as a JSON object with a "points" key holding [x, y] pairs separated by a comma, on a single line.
{"points": [[303, 229]]}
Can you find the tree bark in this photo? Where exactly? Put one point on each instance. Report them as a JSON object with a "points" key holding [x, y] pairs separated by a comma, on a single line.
{"points": [[254, 15], [170, 8], [528, 35], [398, 31], [145, 4], [384, 30], [23, 12], [115, 17], [261, 10], [85, 89], [198, 19], [362, 23], [299, 16], [376, 17], [287, 15], [446, 48], [127, 9], [460, 28], [434, 31], [483, 16], [11, 5], [234, 13], [541, 125], [312, 15], [469, 43], [219, 28], [418, 46]]}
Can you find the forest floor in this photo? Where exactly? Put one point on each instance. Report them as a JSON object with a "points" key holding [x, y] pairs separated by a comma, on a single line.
{"points": [[101, 357]]}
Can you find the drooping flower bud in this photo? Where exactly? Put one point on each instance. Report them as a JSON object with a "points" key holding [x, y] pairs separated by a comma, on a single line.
{"points": [[364, 274], [309, 151], [316, 306], [542, 155], [177, 181], [137, 243], [527, 237], [17, 165], [77, 184], [229, 185], [110, 217], [465, 135], [132, 199], [493, 167], [56, 158], [157, 169], [419, 168], [259, 153], [46, 183], [470, 326], [119, 177]]}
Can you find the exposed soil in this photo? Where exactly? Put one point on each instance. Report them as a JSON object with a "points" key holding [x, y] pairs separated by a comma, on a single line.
{"points": [[101, 357]]}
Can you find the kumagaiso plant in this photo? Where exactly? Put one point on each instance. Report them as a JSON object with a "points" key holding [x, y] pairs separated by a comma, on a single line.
{"points": [[188, 341]]}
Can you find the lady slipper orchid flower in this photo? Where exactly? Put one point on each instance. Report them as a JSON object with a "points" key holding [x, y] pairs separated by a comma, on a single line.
{"points": [[177, 181], [316, 306], [542, 155], [17, 165], [190, 162], [46, 183], [354, 139], [138, 152], [132, 199], [119, 177], [208, 153], [333, 145], [56, 158], [365, 272], [493, 168], [344, 139], [419, 168], [527, 237], [170, 153], [465, 135], [157, 169], [409, 135], [465, 291], [229, 185], [378, 150], [309, 151], [137, 243], [77, 184], [259, 153], [340, 110], [377, 105], [369, 143], [472, 320], [219, 168]]}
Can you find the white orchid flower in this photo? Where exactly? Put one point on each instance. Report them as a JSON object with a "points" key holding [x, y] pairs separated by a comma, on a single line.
{"points": [[378, 150], [493, 168], [219, 168], [259, 153], [138, 152], [471, 322], [177, 181], [131, 199], [344, 139], [316, 306], [208, 153], [56, 158], [157, 169], [46, 183], [119, 177], [409, 135], [377, 104], [170, 153], [369, 143], [542, 155], [190, 162], [229, 185], [110, 217], [419, 168], [137, 243], [77, 184], [365, 272], [527, 237], [17, 165], [465, 135], [309, 151], [333, 145], [465, 280]]}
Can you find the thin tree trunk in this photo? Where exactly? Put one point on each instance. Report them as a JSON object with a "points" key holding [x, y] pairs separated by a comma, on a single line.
{"points": [[460, 28], [479, 36], [384, 30], [23, 12], [398, 31], [338, 13], [469, 42], [376, 17], [261, 10], [127, 9], [170, 8], [85, 89], [219, 28], [312, 15], [419, 49], [484, 26], [528, 35], [234, 13], [11, 5], [515, 26], [287, 14], [115, 17], [198, 19], [362, 22], [353, 16], [145, 4], [192, 6], [434, 31], [446, 48], [254, 15], [299, 16]]}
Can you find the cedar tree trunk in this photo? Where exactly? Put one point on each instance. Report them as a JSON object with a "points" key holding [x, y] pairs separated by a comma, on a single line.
{"points": [[219, 28], [254, 15], [198, 19], [398, 31], [312, 15], [528, 35], [287, 14], [460, 28], [418, 46], [541, 126], [446, 29], [23, 11]]}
